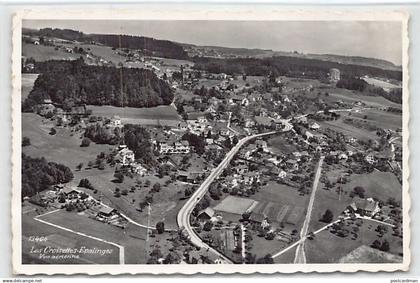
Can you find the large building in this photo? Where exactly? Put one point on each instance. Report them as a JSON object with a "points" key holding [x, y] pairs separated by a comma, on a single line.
{"points": [[334, 75]]}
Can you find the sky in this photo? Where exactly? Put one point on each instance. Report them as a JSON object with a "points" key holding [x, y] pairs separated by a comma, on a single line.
{"points": [[374, 39]]}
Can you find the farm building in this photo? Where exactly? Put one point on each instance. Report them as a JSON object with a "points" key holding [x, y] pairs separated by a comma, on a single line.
{"points": [[107, 213], [365, 207], [206, 214], [70, 192], [190, 177]]}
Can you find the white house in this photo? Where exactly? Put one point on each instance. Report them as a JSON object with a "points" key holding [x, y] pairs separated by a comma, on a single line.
{"points": [[314, 126], [282, 174], [125, 156]]}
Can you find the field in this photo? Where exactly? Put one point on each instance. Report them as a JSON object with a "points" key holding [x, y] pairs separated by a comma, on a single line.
{"points": [[381, 119], [281, 204], [287, 257], [351, 97], [369, 255], [279, 145], [235, 205], [174, 62], [251, 80], [330, 248], [60, 238], [159, 115], [380, 185], [349, 130], [51, 147], [380, 83], [28, 81], [44, 53], [131, 238]]}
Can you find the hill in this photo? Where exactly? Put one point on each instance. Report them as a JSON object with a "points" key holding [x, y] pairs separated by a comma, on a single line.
{"points": [[289, 66], [149, 46], [229, 52]]}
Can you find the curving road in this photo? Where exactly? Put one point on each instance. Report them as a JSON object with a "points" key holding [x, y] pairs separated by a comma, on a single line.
{"points": [[183, 217]]}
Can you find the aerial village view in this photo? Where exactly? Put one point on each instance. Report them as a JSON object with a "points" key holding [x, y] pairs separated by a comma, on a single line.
{"points": [[143, 150]]}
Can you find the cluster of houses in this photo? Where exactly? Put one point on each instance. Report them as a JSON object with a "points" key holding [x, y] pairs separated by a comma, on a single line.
{"points": [[61, 196]]}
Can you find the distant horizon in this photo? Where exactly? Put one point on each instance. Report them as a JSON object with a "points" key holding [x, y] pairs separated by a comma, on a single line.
{"points": [[374, 40]]}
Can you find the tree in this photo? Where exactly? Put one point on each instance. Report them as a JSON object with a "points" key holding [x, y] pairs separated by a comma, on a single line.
{"points": [[208, 226], [328, 216], [85, 183], [61, 198], [119, 177], [101, 165], [360, 191], [26, 141], [246, 215], [267, 259], [269, 236], [385, 246], [160, 227], [53, 131], [124, 192], [79, 166], [156, 187], [85, 142]]}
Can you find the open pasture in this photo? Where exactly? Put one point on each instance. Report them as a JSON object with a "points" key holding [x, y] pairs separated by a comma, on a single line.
{"points": [[327, 247], [132, 238], [63, 147], [44, 53], [131, 114], [379, 185], [235, 205], [58, 238], [381, 119]]}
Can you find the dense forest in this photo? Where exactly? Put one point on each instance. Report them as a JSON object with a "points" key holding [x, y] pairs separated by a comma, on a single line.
{"points": [[150, 46], [135, 137], [38, 174], [76, 82], [289, 66]]}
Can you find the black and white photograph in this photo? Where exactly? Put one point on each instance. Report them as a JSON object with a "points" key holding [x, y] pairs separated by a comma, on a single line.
{"points": [[275, 144]]}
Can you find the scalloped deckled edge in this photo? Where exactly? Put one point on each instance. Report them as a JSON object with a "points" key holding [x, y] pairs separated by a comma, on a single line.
{"points": [[220, 12]]}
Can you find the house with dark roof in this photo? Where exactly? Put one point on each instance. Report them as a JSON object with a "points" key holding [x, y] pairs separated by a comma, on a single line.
{"points": [[206, 214]]}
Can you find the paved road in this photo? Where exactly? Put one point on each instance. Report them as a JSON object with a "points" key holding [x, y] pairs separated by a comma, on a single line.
{"points": [[183, 217], [300, 256]]}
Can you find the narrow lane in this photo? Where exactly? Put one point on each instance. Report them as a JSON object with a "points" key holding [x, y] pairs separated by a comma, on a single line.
{"points": [[300, 256]]}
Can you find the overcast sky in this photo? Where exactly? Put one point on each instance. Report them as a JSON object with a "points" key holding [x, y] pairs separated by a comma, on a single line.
{"points": [[369, 39]]}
